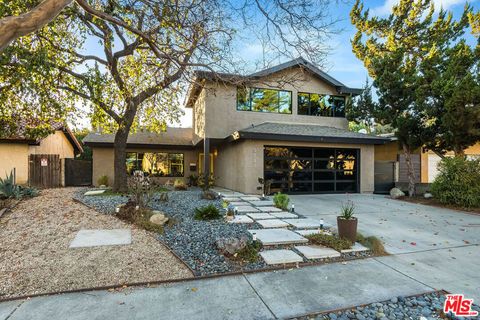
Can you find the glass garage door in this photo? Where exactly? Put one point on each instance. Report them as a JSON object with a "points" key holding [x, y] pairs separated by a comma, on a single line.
{"points": [[311, 170]]}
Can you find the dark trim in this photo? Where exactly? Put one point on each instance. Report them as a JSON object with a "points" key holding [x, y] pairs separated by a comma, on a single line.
{"points": [[346, 90], [140, 146], [301, 138], [22, 141]]}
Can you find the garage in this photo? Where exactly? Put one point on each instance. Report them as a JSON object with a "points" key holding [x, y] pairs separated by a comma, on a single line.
{"points": [[297, 170]]}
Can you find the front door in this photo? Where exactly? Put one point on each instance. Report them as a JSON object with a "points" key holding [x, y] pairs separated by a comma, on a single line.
{"points": [[201, 159]]}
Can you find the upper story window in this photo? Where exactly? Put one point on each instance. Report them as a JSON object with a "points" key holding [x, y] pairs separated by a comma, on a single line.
{"points": [[264, 100], [313, 104]]}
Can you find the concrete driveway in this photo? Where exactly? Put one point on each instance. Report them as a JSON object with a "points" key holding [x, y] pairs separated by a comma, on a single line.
{"points": [[435, 246]]}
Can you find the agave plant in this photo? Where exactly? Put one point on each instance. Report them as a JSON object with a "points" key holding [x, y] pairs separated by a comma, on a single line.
{"points": [[8, 189]]}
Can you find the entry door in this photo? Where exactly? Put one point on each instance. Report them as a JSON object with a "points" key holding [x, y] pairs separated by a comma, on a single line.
{"points": [[201, 159], [312, 170]]}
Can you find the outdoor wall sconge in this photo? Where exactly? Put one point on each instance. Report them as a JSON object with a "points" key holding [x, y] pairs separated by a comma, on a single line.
{"points": [[193, 167]]}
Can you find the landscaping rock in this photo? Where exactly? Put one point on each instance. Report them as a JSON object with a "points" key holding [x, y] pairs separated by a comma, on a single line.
{"points": [[428, 195], [229, 246], [158, 218], [396, 193]]}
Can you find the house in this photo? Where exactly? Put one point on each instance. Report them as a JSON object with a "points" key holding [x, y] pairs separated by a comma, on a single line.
{"points": [[18, 152], [425, 163], [286, 124]]}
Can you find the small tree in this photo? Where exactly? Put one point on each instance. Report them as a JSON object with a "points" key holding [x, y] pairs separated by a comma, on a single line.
{"points": [[361, 109]]}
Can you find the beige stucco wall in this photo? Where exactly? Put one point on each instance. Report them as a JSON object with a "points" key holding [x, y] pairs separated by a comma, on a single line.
{"points": [[56, 143], [103, 163], [216, 115], [239, 165], [14, 156]]}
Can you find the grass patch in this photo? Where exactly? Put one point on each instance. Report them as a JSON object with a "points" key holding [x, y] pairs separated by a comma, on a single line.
{"points": [[110, 192], [329, 241], [372, 243], [249, 253]]}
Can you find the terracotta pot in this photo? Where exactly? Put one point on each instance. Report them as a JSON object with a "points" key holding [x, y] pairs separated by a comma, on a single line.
{"points": [[347, 228]]}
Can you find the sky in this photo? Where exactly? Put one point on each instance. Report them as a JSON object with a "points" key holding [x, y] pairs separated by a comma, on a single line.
{"points": [[341, 62]]}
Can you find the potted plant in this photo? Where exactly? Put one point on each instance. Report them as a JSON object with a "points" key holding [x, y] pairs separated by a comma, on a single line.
{"points": [[347, 223]]}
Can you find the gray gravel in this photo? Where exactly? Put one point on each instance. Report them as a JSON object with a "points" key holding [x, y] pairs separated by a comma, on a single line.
{"points": [[192, 240], [428, 306]]}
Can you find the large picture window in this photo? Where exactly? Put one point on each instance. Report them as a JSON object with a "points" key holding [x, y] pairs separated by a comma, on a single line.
{"points": [[264, 100], [158, 164], [313, 104]]}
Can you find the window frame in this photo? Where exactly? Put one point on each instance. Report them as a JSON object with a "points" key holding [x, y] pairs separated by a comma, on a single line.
{"points": [[169, 175], [321, 95], [249, 100]]}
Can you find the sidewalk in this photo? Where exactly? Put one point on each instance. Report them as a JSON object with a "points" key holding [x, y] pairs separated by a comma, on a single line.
{"points": [[267, 295]]}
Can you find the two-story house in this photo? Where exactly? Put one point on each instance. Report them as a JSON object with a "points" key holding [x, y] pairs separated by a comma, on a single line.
{"points": [[286, 124]]}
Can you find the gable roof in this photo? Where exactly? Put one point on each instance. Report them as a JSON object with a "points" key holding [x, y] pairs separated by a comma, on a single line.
{"points": [[232, 78], [305, 133]]}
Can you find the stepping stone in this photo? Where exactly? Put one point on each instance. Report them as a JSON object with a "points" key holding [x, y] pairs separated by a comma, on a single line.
{"points": [[245, 209], [260, 216], [270, 209], [239, 203], [270, 237], [94, 192], [262, 203], [284, 215], [230, 199], [250, 198], [306, 223], [281, 256], [241, 219], [317, 252], [357, 247], [273, 223], [99, 237], [312, 231]]}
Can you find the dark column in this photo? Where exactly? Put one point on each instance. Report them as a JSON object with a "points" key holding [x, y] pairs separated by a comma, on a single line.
{"points": [[206, 159]]}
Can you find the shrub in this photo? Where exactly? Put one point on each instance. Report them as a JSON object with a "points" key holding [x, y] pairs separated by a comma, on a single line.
{"points": [[347, 211], [210, 183], [141, 189], [103, 180], [28, 192], [193, 180], [209, 212], [330, 241], [140, 217], [458, 182], [8, 188], [179, 184], [281, 201], [372, 243]]}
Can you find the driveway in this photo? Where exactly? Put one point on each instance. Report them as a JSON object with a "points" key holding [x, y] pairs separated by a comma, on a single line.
{"points": [[435, 246]]}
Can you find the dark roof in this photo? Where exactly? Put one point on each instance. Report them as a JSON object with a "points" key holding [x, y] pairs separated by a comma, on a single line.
{"points": [[171, 137], [305, 133], [237, 78]]}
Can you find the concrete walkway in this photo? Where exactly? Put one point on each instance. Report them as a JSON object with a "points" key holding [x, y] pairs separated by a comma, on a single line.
{"points": [[432, 249]]}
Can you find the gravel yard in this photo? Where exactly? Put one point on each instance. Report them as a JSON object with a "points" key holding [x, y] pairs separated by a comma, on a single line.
{"points": [[35, 255], [192, 240]]}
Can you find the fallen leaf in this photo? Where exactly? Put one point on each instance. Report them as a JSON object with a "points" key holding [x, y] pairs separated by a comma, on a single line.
{"points": [[413, 243], [194, 289]]}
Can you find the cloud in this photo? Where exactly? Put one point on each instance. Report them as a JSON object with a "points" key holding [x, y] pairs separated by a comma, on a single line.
{"points": [[386, 8]]}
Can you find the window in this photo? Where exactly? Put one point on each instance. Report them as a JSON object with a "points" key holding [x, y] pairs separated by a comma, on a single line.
{"points": [[264, 100], [160, 164], [313, 104]]}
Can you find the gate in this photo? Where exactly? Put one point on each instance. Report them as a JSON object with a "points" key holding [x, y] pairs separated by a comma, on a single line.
{"points": [[78, 172], [44, 170], [384, 176]]}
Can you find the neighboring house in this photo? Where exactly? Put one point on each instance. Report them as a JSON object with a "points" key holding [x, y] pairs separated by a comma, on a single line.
{"points": [[286, 124], [16, 150]]}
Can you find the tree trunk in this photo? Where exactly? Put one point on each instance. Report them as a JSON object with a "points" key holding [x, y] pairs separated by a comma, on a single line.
{"points": [[120, 183], [14, 27], [459, 152], [410, 169]]}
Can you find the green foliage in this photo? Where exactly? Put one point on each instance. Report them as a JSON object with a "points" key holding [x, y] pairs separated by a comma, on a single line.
{"points": [[87, 151], [103, 180], [209, 212], [329, 241], [362, 109], [28, 192], [141, 189], [8, 188], [140, 217], [347, 211], [193, 180], [209, 184], [179, 184], [249, 253], [372, 243], [458, 182], [281, 201]]}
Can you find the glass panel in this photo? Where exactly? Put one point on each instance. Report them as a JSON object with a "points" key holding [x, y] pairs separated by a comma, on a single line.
{"points": [[279, 187], [276, 175], [324, 164], [276, 164], [176, 164], [139, 166], [339, 106], [161, 165], [301, 187], [324, 153], [131, 162], [303, 103], [243, 99], [324, 187], [301, 152], [264, 100], [302, 176], [149, 163], [346, 175], [346, 159], [325, 106], [347, 186], [300, 164], [315, 104], [276, 152], [284, 102], [324, 175]]}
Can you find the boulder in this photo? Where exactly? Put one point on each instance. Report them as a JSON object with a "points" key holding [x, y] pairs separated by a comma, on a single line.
{"points": [[158, 218], [230, 246], [396, 193], [428, 195]]}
